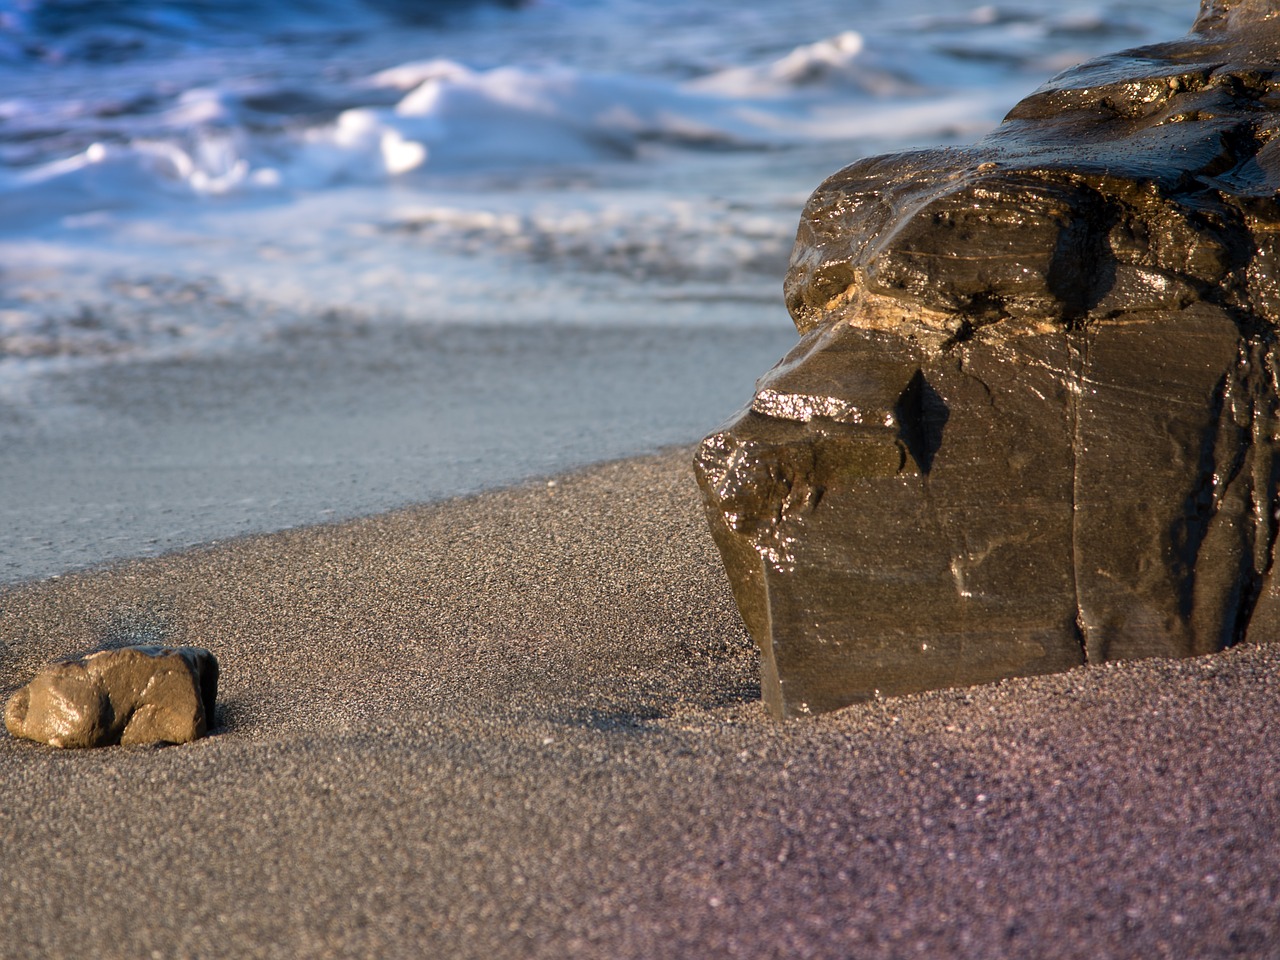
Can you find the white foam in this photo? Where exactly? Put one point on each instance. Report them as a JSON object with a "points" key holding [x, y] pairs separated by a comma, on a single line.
{"points": [[839, 63]]}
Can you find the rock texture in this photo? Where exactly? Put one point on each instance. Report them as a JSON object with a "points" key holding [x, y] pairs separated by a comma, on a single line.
{"points": [[1032, 418], [132, 695]]}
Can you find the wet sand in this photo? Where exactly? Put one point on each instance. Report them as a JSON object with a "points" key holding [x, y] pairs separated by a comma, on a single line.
{"points": [[526, 724], [336, 421]]}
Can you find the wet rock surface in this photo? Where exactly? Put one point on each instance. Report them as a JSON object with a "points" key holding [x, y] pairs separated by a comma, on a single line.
{"points": [[1031, 421], [131, 695]]}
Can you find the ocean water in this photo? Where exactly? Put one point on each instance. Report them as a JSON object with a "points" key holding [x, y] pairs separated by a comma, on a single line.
{"points": [[191, 176]]}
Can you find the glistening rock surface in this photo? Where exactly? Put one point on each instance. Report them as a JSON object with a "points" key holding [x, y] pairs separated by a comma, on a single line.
{"points": [[131, 695], [1032, 418]]}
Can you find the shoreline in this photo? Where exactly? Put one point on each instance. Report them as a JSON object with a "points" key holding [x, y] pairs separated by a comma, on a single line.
{"points": [[143, 458], [527, 724]]}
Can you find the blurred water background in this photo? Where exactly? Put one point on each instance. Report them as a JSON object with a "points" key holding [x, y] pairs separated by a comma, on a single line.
{"points": [[198, 175]]}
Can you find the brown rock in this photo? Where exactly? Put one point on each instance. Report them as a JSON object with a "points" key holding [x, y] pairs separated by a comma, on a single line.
{"points": [[132, 695], [1032, 418]]}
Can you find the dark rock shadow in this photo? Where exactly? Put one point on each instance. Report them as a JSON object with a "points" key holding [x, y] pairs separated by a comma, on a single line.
{"points": [[922, 415], [229, 716]]}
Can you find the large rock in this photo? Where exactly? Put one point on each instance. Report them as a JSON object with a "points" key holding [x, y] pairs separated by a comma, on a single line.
{"points": [[131, 695], [1031, 421]]}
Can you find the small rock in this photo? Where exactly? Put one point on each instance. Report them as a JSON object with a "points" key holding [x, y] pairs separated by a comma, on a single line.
{"points": [[132, 695]]}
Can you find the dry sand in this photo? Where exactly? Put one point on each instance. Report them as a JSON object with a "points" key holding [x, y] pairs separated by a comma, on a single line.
{"points": [[527, 725]]}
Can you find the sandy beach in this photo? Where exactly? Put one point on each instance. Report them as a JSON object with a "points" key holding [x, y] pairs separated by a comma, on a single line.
{"points": [[321, 350], [526, 724]]}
